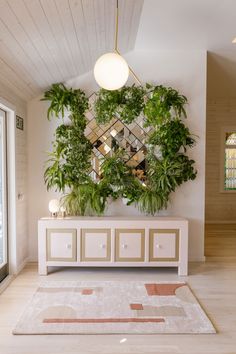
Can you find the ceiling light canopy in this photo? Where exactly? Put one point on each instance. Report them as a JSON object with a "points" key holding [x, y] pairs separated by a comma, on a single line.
{"points": [[234, 40]]}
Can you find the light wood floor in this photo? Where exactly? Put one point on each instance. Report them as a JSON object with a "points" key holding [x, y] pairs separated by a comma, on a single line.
{"points": [[220, 240], [213, 283]]}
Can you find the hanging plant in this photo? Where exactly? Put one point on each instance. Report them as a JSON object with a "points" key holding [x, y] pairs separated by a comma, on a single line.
{"points": [[69, 162], [164, 103], [126, 104], [167, 167], [61, 98], [171, 137], [87, 198]]}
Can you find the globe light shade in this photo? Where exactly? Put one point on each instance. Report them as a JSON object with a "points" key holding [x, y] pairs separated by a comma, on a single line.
{"points": [[111, 71], [54, 206]]}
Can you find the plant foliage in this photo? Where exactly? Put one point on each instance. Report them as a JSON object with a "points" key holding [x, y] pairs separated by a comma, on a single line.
{"points": [[163, 104], [126, 104], [69, 163]]}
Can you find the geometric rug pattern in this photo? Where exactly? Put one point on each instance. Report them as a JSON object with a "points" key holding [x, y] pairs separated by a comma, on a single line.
{"points": [[74, 307]]}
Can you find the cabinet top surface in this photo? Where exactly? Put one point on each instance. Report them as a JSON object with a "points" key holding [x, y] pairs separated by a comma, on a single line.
{"points": [[111, 218]]}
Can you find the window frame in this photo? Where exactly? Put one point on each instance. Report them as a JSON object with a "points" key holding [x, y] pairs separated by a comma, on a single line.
{"points": [[10, 110], [225, 130], [4, 267]]}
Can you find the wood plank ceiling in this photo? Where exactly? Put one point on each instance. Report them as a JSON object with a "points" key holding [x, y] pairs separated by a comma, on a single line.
{"points": [[47, 41]]}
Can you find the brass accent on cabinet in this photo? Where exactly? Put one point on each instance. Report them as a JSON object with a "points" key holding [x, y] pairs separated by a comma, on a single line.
{"points": [[117, 245], [84, 232], [73, 232], [151, 245]]}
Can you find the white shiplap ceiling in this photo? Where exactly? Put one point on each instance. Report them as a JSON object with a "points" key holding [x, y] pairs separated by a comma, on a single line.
{"points": [[47, 41]]}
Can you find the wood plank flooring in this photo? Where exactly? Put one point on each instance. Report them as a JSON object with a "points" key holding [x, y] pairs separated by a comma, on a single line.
{"points": [[213, 283], [220, 240]]}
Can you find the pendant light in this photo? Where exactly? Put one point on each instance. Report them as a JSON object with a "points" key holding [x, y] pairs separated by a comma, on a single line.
{"points": [[111, 71]]}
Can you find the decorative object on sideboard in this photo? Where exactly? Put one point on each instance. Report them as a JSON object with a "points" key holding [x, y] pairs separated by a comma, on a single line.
{"points": [[63, 211], [129, 143], [54, 207]]}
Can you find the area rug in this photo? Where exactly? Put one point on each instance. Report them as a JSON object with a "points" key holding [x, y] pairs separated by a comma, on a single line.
{"points": [[113, 307]]}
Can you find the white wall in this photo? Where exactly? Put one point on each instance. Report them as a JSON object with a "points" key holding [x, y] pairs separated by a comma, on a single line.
{"points": [[21, 178], [185, 71]]}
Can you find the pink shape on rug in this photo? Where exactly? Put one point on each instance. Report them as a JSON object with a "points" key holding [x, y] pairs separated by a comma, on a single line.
{"points": [[87, 291], [102, 320], [162, 289], [136, 306]]}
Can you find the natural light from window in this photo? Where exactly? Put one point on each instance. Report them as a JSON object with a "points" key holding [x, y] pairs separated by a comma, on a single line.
{"points": [[230, 161]]}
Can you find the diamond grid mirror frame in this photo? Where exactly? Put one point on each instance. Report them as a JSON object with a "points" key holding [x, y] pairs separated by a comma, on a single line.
{"points": [[116, 134]]}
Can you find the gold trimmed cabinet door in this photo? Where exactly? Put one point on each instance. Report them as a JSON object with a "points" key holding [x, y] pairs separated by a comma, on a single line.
{"points": [[129, 245], [163, 245], [96, 245], [61, 245]]}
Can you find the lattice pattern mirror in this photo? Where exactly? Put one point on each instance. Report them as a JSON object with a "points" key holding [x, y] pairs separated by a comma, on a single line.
{"points": [[109, 137]]}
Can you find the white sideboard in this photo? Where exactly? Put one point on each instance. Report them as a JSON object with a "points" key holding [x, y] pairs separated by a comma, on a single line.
{"points": [[113, 242]]}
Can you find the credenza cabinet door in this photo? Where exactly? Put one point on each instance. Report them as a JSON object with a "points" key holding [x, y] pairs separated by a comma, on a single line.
{"points": [[95, 245], [129, 245], [163, 245], [61, 245]]}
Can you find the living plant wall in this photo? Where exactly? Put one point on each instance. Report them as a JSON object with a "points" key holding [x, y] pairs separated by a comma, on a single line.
{"points": [[130, 143]]}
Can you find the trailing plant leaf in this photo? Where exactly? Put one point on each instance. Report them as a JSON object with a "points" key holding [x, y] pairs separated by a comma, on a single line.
{"points": [[69, 162], [188, 171], [106, 105], [151, 201], [132, 103], [171, 137], [62, 98], [166, 174], [77, 202], [54, 176], [126, 104], [115, 171], [163, 174], [161, 103], [85, 199], [132, 191]]}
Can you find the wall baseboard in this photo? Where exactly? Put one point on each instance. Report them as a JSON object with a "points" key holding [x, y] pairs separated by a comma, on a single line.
{"points": [[21, 266], [6, 282], [220, 222], [195, 260]]}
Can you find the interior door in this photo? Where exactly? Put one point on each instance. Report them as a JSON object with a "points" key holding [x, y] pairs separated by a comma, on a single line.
{"points": [[3, 198]]}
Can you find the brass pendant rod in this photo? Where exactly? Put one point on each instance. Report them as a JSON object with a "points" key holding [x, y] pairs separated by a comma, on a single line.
{"points": [[117, 25], [131, 71], [116, 42]]}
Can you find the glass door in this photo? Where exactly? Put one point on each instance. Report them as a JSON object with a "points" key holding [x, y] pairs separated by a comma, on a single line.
{"points": [[3, 198]]}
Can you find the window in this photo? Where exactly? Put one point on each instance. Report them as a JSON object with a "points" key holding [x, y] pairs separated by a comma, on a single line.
{"points": [[230, 162]]}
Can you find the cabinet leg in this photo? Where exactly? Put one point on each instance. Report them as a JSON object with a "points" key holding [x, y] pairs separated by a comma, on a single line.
{"points": [[183, 270], [43, 270]]}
